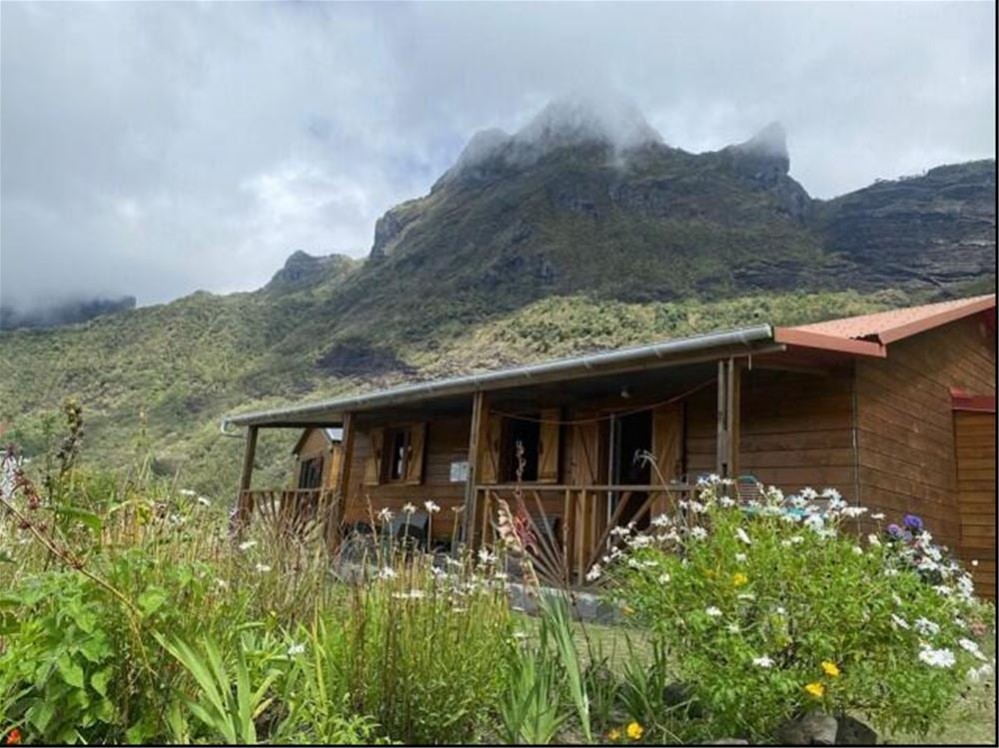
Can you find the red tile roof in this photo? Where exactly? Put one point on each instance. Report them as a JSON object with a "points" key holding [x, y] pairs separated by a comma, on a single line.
{"points": [[869, 333]]}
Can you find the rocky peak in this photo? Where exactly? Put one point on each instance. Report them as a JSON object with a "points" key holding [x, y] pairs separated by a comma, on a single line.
{"points": [[606, 120], [302, 270], [764, 156]]}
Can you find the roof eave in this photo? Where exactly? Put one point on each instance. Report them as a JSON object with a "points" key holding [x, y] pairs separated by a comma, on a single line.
{"points": [[657, 354], [806, 339], [935, 320]]}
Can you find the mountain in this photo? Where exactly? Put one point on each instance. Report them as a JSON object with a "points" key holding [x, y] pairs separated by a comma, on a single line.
{"points": [[583, 230]]}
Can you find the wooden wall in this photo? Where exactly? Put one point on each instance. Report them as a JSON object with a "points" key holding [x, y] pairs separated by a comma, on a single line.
{"points": [[906, 421], [797, 430], [447, 441], [317, 445], [975, 437]]}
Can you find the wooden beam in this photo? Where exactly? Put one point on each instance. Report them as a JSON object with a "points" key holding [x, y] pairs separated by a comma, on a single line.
{"points": [[341, 488], [721, 430], [243, 500], [734, 420], [476, 437], [729, 426]]}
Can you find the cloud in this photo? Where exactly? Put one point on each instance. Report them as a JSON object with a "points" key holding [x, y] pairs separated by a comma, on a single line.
{"points": [[156, 148]]}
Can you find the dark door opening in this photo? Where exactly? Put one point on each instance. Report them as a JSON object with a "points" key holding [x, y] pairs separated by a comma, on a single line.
{"points": [[631, 439], [523, 434]]}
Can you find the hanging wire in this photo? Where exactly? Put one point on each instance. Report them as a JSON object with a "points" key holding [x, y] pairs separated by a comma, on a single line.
{"points": [[598, 419]]}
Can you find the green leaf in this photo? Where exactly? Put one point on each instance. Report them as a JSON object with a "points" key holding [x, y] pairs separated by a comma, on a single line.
{"points": [[152, 600], [90, 519], [40, 715], [70, 671], [96, 648], [99, 681]]}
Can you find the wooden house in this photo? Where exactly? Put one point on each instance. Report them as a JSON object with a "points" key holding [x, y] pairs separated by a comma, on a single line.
{"points": [[896, 410]]}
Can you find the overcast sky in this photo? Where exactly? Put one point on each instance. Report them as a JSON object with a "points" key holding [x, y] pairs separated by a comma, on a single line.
{"points": [[155, 149]]}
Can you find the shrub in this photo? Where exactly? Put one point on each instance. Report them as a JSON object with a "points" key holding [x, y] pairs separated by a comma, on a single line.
{"points": [[772, 609]]}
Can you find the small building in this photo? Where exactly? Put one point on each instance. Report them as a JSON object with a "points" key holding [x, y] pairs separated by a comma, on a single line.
{"points": [[317, 457], [896, 410]]}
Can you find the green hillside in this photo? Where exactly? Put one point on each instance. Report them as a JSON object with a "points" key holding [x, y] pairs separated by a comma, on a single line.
{"points": [[551, 241]]}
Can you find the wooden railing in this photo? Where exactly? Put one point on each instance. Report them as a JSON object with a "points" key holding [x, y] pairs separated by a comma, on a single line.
{"points": [[292, 509], [571, 526]]}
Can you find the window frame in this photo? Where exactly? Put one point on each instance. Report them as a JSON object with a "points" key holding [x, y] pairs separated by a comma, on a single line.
{"points": [[388, 447]]}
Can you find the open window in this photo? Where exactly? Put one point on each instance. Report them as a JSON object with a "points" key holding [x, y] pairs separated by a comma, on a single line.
{"points": [[397, 455]]}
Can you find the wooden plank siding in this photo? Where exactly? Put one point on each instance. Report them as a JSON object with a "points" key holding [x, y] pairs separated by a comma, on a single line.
{"points": [[975, 438], [907, 450], [797, 431], [446, 442], [316, 444]]}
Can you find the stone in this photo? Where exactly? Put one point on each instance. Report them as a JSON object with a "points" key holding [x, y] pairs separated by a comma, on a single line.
{"points": [[812, 728], [730, 741], [854, 732]]}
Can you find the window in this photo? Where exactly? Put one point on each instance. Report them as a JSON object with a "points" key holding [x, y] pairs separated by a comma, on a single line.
{"points": [[397, 444], [310, 473]]}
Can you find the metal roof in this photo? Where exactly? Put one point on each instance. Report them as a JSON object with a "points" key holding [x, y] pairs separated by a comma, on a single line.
{"points": [[624, 359], [895, 324]]}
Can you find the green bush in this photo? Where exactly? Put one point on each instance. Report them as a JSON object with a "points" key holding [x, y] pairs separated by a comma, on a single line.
{"points": [[776, 608]]}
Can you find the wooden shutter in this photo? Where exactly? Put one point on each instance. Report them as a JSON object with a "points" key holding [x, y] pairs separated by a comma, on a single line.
{"points": [[490, 451], [585, 461], [373, 465], [548, 446], [667, 438], [414, 459]]}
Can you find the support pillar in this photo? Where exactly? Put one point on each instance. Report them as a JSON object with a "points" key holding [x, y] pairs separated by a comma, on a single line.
{"points": [[244, 502], [477, 436], [341, 489], [729, 422]]}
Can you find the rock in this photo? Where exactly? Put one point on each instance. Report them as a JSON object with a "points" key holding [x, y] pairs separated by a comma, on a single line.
{"points": [[854, 732], [813, 728], [730, 741], [677, 695]]}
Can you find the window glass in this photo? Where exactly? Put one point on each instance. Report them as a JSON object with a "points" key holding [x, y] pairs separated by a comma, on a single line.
{"points": [[398, 444]]}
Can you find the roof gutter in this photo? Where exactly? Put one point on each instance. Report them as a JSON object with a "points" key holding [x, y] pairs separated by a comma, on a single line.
{"points": [[598, 363]]}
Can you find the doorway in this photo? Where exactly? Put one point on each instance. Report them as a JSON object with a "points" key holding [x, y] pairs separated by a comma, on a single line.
{"points": [[631, 439]]}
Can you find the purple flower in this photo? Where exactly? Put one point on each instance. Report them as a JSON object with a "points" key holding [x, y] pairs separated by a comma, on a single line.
{"points": [[913, 522], [894, 530]]}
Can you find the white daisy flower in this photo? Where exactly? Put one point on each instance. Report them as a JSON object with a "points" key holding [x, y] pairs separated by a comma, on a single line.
{"points": [[942, 658], [713, 611], [763, 661]]}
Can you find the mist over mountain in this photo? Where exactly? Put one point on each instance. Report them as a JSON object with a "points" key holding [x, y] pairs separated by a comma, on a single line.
{"points": [[62, 313]]}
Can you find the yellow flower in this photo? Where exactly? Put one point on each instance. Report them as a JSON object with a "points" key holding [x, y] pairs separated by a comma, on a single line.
{"points": [[627, 610], [614, 734], [816, 689], [739, 579], [830, 669], [635, 731]]}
